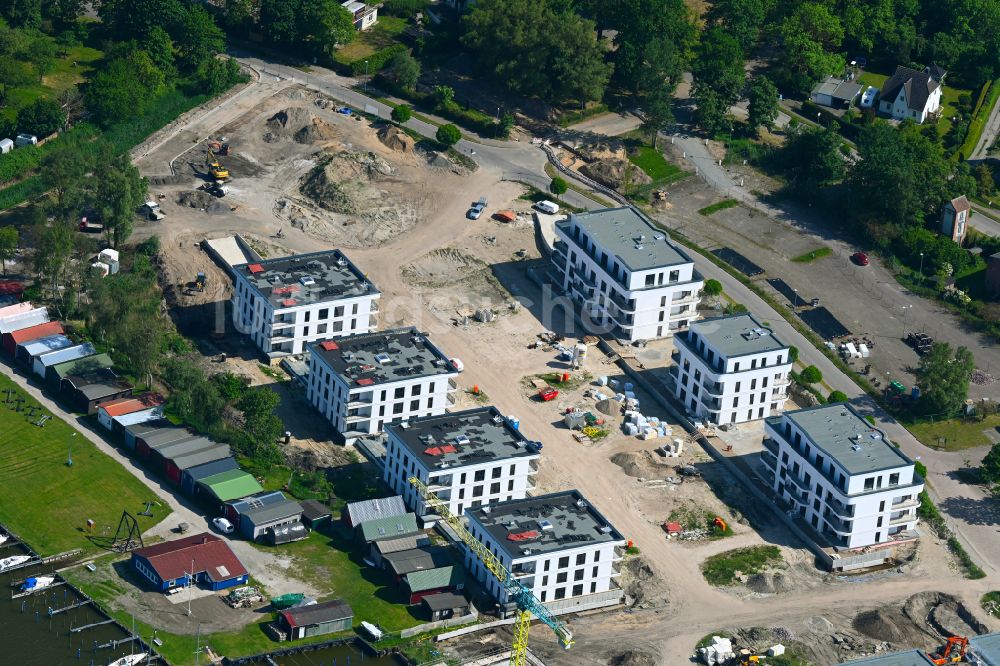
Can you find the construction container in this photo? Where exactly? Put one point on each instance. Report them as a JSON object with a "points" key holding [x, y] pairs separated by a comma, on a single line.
{"points": [[631, 429], [515, 422]]}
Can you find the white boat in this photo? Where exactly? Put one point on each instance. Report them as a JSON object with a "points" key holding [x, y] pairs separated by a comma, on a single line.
{"points": [[36, 583], [3, 539], [13, 561], [129, 659]]}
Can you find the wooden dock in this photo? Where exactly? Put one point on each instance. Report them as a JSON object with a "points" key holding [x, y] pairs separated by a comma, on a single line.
{"points": [[20, 595], [56, 611], [76, 630], [114, 644]]}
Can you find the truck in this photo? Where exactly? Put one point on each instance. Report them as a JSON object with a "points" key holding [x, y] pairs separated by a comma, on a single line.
{"points": [[152, 211], [88, 227]]}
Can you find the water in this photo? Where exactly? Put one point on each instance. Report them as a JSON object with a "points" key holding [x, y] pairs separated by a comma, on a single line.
{"points": [[30, 637]]}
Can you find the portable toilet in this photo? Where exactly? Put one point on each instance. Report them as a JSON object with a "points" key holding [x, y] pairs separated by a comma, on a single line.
{"points": [[515, 422], [6, 145]]}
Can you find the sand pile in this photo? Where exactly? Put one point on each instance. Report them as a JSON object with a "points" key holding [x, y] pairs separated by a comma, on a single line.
{"points": [[603, 150], [195, 199], [337, 184], [634, 658], [318, 131], [285, 123], [883, 624], [396, 139], [639, 465], [615, 173]]}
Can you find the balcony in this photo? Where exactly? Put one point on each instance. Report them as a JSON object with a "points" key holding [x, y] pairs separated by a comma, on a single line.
{"points": [[905, 517], [521, 570], [615, 571], [771, 445], [713, 389], [837, 524], [712, 404], [533, 466], [768, 459], [372, 321], [361, 400], [374, 306], [799, 483], [279, 324], [690, 298], [440, 483], [560, 247], [623, 304], [357, 418], [840, 509], [452, 385], [451, 400], [905, 503], [531, 482], [580, 274], [618, 555], [559, 260]]}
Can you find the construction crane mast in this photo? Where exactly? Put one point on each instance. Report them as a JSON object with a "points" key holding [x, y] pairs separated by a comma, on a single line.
{"points": [[527, 603]]}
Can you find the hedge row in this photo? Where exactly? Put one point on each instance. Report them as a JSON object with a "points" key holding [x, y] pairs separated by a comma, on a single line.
{"points": [[377, 60], [470, 119]]}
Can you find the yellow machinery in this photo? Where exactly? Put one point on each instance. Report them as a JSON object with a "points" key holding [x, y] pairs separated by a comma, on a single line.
{"points": [[218, 171], [527, 603]]}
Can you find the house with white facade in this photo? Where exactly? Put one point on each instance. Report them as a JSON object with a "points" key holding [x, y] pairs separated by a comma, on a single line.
{"points": [[558, 545], [911, 94], [625, 275], [363, 382], [731, 369], [841, 475], [285, 303], [365, 15], [468, 459]]}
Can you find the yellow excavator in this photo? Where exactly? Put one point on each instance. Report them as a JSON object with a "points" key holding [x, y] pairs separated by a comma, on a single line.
{"points": [[218, 171]]}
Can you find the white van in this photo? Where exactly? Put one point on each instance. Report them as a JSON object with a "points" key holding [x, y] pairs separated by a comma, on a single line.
{"points": [[547, 206]]}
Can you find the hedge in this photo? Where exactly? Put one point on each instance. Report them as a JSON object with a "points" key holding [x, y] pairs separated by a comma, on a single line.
{"points": [[18, 162], [377, 60], [28, 188], [470, 119]]}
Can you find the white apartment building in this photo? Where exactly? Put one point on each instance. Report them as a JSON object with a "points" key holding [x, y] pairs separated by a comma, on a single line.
{"points": [[558, 545], [731, 370], [625, 274], [363, 382], [283, 304], [466, 458], [841, 475]]}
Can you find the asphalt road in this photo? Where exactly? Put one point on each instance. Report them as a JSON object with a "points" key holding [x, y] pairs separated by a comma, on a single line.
{"points": [[990, 132]]}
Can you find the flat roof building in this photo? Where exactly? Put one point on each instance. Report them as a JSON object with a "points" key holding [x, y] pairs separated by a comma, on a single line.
{"points": [[22, 336], [731, 369], [27, 352], [89, 391], [841, 475], [192, 475], [985, 649], [467, 458], [229, 485], [558, 545], [287, 302], [363, 382], [319, 619], [625, 275], [255, 521], [55, 374]]}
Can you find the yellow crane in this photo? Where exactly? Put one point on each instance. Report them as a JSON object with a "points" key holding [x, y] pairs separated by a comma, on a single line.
{"points": [[527, 603]]}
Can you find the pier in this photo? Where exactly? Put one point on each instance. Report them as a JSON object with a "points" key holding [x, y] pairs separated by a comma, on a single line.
{"points": [[56, 611], [28, 593], [76, 630]]}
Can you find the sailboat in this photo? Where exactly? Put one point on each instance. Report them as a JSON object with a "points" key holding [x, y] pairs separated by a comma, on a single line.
{"points": [[13, 561], [36, 583], [3, 539], [129, 659]]}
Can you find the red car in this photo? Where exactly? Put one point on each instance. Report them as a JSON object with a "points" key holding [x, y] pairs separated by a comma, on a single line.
{"points": [[860, 258], [547, 394]]}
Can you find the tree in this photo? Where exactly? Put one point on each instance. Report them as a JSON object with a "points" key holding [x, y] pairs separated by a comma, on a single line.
{"points": [[160, 48], [762, 102], [811, 375], [734, 308], [712, 114], [401, 114], [943, 378], [402, 70], [124, 88], [22, 13], [837, 396], [659, 112], [259, 421], [807, 36], [989, 469], [811, 157], [42, 117], [984, 180], [8, 245], [712, 288], [217, 74], [279, 21], [197, 38], [448, 135], [653, 40], [63, 169], [742, 19], [135, 19], [53, 250], [120, 191], [718, 65], [323, 25], [793, 354], [558, 186], [63, 13]]}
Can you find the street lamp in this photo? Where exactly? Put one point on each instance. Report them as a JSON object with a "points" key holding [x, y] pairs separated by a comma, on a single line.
{"points": [[921, 264], [366, 77], [796, 297]]}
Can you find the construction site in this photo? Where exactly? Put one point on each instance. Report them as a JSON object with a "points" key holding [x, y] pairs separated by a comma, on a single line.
{"points": [[291, 171]]}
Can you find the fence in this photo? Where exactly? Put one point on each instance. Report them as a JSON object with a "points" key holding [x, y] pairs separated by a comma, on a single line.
{"points": [[440, 624]]}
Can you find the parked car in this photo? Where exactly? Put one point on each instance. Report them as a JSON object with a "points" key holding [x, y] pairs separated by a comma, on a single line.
{"points": [[860, 258], [477, 209], [868, 97], [223, 525], [547, 206]]}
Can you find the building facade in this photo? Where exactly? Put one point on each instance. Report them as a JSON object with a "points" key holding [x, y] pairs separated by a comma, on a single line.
{"points": [[911, 94], [468, 459], [558, 546], [731, 370], [283, 304], [841, 475], [955, 218], [625, 275], [364, 382]]}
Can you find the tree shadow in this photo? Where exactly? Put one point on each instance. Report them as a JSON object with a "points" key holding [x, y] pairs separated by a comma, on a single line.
{"points": [[973, 511]]}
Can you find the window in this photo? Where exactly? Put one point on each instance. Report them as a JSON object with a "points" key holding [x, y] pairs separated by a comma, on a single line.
{"points": [[321, 329], [578, 574], [544, 594], [753, 384], [414, 405], [305, 331], [477, 491], [564, 562], [561, 577], [338, 311], [307, 316], [545, 581], [650, 280], [546, 567], [354, 309], [577, 590], [338, 326], [430, 402], [581, 558], [593, 588], [397, 408], [870, 483], [480, 475], [512, 469], [399, 392], [736, 366], [593, 574], [510, 485], [323, 314], [495, 488], [738, 386], [496, 472], [561, 593], [881, 506], [415, 390], [894, 479], [597, 556], [461, 479]]}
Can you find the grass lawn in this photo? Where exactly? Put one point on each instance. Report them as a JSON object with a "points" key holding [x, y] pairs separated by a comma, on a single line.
{"points": [[382, 34], [813, 255], [576, 380], [47, 502], [873, 79], [656, 166], [954, 434], [721, 569], [68, 70], [719, 205], [949, 106]]}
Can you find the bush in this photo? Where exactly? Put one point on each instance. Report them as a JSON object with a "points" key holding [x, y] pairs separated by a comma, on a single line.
{"points": [[404, 8], [558, 186], [721, 569], [377, 60], [149, 247], [401, 113], [448, 135], [793, 354], [19, 162], [812, 375], [837, 396], [41, 118]]}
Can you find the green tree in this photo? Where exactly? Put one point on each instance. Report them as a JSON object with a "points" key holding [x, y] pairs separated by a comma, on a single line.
{"points": [[8, 245], [53, 251], [259, 421], [197, 38], [712, 113], [401, 114], [279, 21], [120, 191], [718, 65], [811, 157], [558, 186], [64, 168], [22, 13], [41, 53], [793, 354], [448, 135], [218, 74], [712, 288], [402, 70], [160, 48], [323, 25], [837, 396], [63, 12], [135, 19], [124, 88], [743, 19], [989, 469], [42, 117], [943, 378], [444, 97], [653, 40], [762, 102], [808, 38], [984, 180], [811, 375], [658, 112], [576, 67]]}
